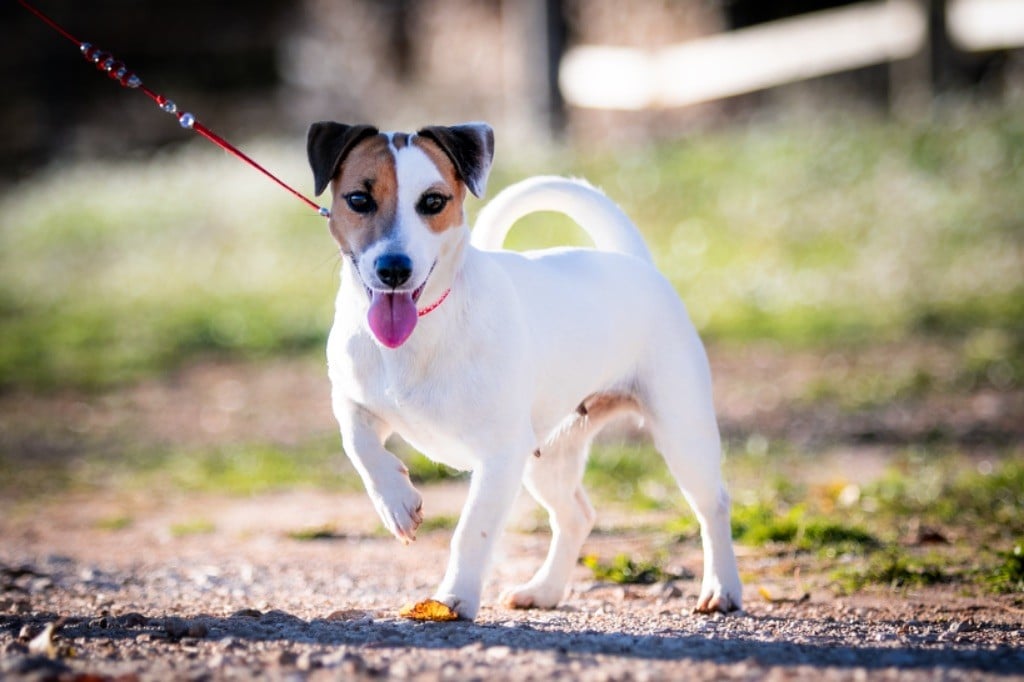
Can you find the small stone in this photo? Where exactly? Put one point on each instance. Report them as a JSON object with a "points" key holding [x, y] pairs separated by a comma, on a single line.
{"points": [[498, 653], [176, 628], [229, 643], [197, 630], [38, 667], [352, 664], [287, 658], [15, 647], [666, 590], [306, 661], [958, 626], [132, 620], [246, 613], [349, 614], [451, 670]]}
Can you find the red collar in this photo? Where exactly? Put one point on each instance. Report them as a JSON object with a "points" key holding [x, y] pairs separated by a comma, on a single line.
{"points": [[433, 306]]}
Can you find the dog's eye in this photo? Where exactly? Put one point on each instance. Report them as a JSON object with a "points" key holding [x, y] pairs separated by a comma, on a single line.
{"points": [[432, 203], [360, 202]]}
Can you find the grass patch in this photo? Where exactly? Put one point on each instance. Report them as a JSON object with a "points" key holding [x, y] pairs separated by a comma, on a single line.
{"points": [[244, 469], [326, 532], [193, 527], [988, 497], [438, 522], [634, 474], [234, 469], [761, 523], [624, 570], [804, 231], [1008, 575], [423, 470], [894, 569], [114, 523]]}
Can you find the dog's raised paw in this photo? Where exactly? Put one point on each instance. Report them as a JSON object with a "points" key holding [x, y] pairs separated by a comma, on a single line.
{"points": [[400, 507]]}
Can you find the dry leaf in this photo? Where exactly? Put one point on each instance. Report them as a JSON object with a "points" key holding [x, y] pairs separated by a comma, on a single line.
{"points": [[428, 609]]}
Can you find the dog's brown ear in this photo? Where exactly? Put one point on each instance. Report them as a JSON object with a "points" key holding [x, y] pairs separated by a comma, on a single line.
{"points": [[471, 149], [327, 145]]}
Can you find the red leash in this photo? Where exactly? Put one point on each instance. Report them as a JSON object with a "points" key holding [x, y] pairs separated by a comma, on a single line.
{"points": [[117, 71]]}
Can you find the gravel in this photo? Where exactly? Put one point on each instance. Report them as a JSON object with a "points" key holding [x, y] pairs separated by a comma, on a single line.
{"points": [[245, 599]]}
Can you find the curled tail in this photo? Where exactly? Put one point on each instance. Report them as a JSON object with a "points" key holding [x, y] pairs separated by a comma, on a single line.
{"points": [[598, 215]]}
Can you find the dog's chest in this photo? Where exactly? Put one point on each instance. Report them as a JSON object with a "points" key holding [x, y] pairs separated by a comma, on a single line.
{"points": [[426, 405]]}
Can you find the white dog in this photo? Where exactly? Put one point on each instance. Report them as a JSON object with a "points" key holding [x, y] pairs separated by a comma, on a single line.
{"points": [[504, 363]]}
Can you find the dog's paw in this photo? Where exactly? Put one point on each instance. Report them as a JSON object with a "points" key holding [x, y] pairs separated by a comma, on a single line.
{"points": [[400, 507], [714, 597], [466, 608], [530, 596]]}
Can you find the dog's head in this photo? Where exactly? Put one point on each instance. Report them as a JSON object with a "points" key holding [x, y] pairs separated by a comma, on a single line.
{"points": [[397, 208]]}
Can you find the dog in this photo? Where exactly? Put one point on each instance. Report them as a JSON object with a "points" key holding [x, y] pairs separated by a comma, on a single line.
{"points": [[503, 363]]}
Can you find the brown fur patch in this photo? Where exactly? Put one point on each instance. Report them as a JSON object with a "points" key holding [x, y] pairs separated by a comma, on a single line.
{"points": [[369, 168], [602, 406], [452, 215]]}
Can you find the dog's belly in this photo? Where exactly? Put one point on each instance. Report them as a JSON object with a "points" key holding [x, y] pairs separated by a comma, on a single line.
{"points": [[435, 443]]}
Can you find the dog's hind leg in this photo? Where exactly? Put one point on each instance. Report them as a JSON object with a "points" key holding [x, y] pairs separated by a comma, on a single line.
{"points": [[554, 478], [677, 398]]}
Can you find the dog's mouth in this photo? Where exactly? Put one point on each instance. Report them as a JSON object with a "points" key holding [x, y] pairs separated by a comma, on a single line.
{"points": [[393, 315]]}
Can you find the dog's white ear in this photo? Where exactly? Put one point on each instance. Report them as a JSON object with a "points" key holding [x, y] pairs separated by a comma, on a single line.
{"points": [[327, 145], [471, 149]]}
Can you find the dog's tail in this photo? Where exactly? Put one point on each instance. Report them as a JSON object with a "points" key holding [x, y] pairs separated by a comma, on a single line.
{"points": [[588, 206]]}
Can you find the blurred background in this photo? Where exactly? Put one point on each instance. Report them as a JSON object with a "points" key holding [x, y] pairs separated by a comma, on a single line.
{"points": [[835, 188]]}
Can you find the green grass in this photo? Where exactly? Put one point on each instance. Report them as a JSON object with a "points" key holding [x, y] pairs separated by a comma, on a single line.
{"points": [[625, 570], [114, 523], [989, 500], [111, 272], [198, 526], [894, 569], [976, 503], [806, 231], [236, 469], [1008, 573], [245, 469], [325, 532], [760, 524]]}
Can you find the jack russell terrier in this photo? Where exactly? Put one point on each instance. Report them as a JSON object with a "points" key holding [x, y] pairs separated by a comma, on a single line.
{"points": [[503, 363]]}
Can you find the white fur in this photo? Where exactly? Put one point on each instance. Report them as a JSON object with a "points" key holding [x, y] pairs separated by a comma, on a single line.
{"points": [[498, 371]]}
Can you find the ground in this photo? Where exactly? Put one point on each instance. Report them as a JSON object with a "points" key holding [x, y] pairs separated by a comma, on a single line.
{"points": [[156, 581], [247, 599]]}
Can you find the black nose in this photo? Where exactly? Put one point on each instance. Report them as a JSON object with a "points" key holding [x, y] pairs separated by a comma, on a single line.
{"points": [[393, 270]]}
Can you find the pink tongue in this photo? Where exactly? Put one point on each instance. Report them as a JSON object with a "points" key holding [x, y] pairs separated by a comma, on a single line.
{"points": [[392, 317]]}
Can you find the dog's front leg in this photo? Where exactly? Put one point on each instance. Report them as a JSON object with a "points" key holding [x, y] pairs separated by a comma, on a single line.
{"points": [[398, 503], [493, 489]]}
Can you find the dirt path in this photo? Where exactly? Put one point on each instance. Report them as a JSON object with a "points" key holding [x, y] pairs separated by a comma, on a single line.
{"points": [[246, 598], [159, 585]]}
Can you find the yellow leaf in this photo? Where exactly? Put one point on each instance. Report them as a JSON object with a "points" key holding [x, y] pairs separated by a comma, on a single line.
{"points": [[428, 609]]}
